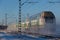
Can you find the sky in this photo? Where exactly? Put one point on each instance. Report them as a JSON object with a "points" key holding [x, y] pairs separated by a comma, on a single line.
{"points": [[11, 7]]}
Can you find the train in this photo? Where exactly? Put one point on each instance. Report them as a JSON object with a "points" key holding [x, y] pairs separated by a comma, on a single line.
{"points": [[3, 27], [41, 23]]}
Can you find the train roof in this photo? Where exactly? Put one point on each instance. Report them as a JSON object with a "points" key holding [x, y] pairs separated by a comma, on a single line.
{"points": [[47, 14], [44, 14]]}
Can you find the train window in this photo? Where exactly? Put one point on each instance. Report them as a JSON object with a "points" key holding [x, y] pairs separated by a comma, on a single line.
{"points": [[49, 19], [46, 17]]}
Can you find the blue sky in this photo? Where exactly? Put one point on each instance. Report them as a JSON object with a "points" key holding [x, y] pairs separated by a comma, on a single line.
{"points": [[11, 8]]}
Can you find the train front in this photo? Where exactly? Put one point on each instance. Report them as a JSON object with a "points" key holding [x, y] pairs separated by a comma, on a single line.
{"points": [[48, 22]]}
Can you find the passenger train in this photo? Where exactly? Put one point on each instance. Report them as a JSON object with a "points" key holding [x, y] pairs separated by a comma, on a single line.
{"points": [[42, 23]]}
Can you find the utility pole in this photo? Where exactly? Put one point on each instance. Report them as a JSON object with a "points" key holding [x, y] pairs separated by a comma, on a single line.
{"points": [[6, 19], [2, 21], [29, 20], [19, 20]]}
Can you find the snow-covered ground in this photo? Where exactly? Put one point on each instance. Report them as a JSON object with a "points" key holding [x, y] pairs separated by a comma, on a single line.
{"points": [[5, 36]]}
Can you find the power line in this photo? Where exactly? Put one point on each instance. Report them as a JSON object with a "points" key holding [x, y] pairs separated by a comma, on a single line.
{"points": [[54, 1]]}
